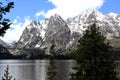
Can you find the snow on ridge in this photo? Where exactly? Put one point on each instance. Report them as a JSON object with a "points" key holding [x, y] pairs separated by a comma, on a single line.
{"points": [[80, 22]]}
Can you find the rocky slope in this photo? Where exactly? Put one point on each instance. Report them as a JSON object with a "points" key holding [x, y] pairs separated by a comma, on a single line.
{"points": [[57, 33], [109, 24], [31, 35], [4, 53], [65, 33], [4, 44]]}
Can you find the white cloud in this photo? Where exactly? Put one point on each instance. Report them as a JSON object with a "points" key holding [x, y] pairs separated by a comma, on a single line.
{"points": [[70, 8], [14, 33], [65, 8], [40, 13]]}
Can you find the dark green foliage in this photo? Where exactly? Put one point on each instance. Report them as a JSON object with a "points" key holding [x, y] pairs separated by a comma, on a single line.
{"points": [[33, 53], [4, 23], [7, 75], [94, 57], [4, 53], [52, 50], [52, 74]]}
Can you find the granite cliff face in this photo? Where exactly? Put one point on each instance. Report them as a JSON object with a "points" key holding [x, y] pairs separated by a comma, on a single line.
{"points": [[57, 33], [31, 35], [109, 24], [65, 33]]}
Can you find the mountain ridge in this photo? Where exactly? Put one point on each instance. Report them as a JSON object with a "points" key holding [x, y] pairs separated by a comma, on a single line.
{"points": [[65, 33]]}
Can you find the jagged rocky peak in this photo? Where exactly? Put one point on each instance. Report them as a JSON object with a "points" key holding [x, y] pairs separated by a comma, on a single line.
{"points": [[44, 23], [57, 32], [55, 24], [109, 23], [80, 22], [111, 14], [30, 36], [65, 34], [106, 23], [34, 24], [89, 16], [114, 16], [34, 27], [55, 17]]}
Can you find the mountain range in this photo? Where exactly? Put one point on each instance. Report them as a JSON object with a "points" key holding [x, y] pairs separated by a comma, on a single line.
{"points": [[65, 33]]}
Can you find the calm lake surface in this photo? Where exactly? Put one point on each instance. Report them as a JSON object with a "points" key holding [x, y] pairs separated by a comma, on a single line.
{"points": [[35, 69]]}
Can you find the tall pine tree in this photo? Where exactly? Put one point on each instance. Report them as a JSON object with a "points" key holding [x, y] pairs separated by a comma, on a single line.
{"points": [[4, 22], [7, 75], [52, 73], [94, 58]]}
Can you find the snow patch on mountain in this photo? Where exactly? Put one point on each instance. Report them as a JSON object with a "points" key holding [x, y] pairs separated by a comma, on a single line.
{"points": [[2, 43], [66, 33]]}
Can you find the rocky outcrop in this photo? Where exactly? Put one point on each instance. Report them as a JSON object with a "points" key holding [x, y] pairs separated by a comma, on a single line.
{"points": [[57, 33], [66, 33], [31, 36]]}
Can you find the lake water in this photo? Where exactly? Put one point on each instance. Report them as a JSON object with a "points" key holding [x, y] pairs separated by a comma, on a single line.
{"points": [[35, 69]]}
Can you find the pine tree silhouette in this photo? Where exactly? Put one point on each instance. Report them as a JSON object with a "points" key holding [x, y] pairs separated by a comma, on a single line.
{"points": [[94, 58], [52, 73], [7, 75], [5, 23]]}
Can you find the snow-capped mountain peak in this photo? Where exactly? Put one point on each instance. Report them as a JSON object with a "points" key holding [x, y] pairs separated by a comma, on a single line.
{"points": [[55, 17], [65, 33], [34, 24]]}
